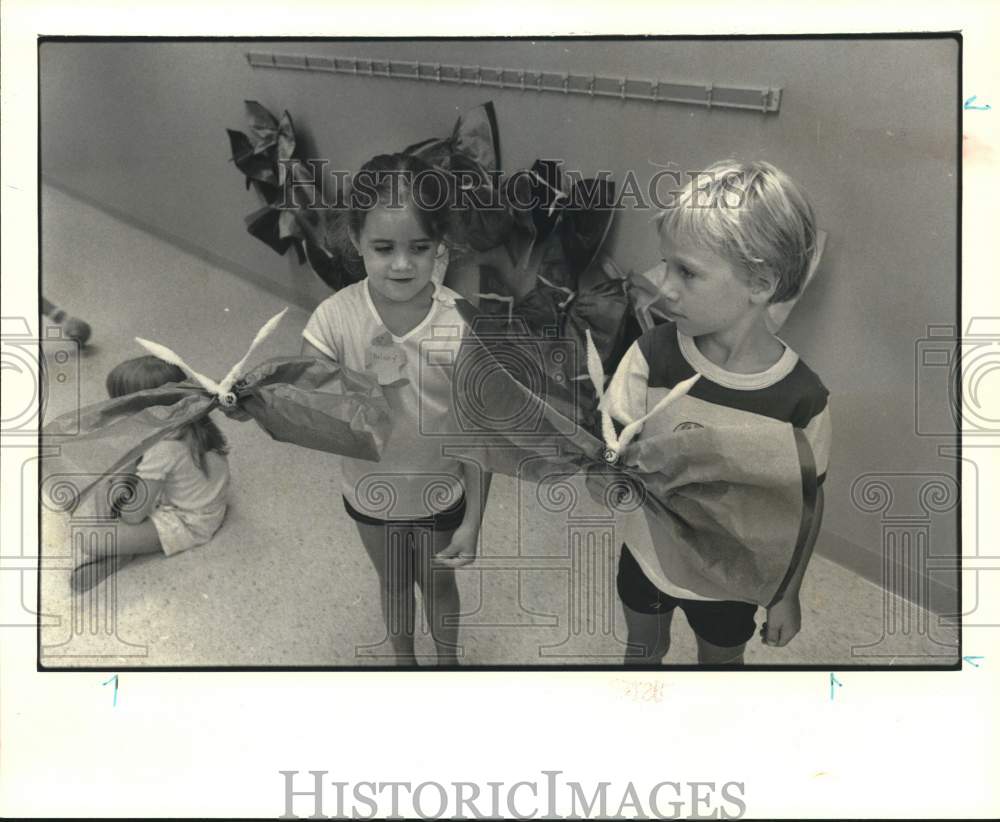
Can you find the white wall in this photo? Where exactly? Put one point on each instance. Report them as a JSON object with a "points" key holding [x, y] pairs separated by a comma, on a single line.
{"points": [[867, 126]]}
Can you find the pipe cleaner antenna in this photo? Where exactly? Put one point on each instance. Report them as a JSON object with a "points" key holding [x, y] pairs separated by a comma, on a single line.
{"points": [[266, 330], [221, 390], [614, 444]]}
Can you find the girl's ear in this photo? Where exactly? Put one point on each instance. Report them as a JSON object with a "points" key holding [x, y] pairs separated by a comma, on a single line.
{"points": [[355, 240]]}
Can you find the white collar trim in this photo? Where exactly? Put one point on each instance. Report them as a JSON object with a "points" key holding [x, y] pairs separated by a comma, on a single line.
{"points": [[442, 295], [730, 379]]}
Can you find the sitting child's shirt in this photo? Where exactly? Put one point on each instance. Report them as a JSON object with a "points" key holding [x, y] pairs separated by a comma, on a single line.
{"points": [[414, 478], [789, 392], [192, 503]]}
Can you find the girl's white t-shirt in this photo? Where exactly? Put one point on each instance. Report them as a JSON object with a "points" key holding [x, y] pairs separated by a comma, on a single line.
{"points": [[185, 486], [415, 477]]}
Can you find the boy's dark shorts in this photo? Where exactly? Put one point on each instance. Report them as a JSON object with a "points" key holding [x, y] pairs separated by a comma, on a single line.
{"points": [[442, 521], [724, 623]]}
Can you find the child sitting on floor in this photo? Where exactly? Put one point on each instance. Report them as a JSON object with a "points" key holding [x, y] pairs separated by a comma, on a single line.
{"points": [[177, 497]]}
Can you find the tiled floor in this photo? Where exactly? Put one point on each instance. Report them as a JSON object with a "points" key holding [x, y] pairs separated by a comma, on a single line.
{"points": [[286, 582]]}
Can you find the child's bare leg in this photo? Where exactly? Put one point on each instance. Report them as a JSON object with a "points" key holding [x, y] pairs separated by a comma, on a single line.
{"points": [[440, 595], [648, 636], [102, 500], [130, 540], [142, 538], [393, 560], [709, 654]]}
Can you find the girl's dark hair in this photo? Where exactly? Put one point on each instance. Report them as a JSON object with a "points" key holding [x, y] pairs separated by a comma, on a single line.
{"points": [[145, 373], [394, 180]]}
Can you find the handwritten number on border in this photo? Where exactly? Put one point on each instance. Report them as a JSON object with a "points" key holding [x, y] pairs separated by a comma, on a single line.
{"points": [[114, 679]]}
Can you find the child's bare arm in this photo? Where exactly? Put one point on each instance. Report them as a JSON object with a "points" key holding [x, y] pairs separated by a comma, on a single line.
{"points": [[142, 502], [784, 618], [310, 350], [464, 542]]}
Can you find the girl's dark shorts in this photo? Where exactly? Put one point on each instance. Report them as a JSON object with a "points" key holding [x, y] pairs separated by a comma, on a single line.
{"points": [[724, 623], [447, 520]]}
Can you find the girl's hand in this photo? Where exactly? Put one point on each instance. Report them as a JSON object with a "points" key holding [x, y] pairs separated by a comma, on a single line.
{"points": [[461, 550], [235, 413]]}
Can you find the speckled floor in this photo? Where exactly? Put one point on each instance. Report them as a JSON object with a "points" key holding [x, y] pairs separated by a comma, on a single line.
{"points": [[286, 581]]}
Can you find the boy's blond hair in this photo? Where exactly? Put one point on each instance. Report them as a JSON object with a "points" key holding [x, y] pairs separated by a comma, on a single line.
{"points": [[753, 214]]}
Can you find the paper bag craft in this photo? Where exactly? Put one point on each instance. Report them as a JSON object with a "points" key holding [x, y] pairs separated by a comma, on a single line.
{"points": [[729, 509], [306, 401]]}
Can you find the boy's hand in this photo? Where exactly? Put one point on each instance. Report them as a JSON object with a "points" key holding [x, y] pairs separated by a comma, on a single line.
{"points": [[608, 487], [461, 550], [784, 619], [629, 455]]}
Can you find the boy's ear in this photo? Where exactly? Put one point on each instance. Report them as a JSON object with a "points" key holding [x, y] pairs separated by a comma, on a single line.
{"points": [[762, 287]]}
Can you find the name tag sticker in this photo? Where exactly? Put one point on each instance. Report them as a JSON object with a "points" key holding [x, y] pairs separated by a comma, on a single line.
{"points": [[386, 360]]}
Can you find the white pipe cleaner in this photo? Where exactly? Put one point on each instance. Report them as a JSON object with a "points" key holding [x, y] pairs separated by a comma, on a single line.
{"points": [[560, 194], [614, 444], [570, 293], [222, 390], [500, 298]]}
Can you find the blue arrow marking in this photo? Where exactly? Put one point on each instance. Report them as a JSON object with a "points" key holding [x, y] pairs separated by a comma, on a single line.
{"points": [[969, 107], [834, 682], [114, 679], [970, 659]]}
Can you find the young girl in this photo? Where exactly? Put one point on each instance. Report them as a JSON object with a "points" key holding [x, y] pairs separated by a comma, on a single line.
{"points": [[417, 510], [180, 485]]}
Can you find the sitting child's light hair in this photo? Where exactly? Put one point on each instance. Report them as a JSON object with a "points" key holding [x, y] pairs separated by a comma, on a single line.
{"points": [[753, 214], [148, 372]]}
